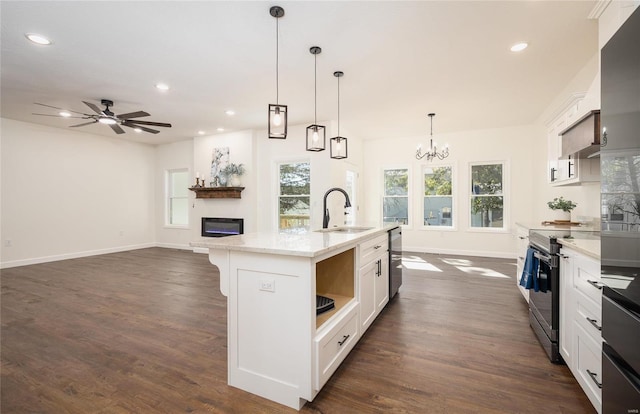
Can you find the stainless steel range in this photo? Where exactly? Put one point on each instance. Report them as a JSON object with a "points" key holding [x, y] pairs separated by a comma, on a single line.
{"points": [[544, 302]]}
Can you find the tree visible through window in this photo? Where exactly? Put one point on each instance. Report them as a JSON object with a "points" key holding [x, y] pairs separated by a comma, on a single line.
{"points": [[487, 197], [438, 199], [177, 199], [294, 200], [395, 201]]}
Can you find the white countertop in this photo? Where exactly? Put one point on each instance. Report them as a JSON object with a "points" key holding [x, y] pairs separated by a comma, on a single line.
{"points": [[310, 244], [540, 226], [588, 247]]}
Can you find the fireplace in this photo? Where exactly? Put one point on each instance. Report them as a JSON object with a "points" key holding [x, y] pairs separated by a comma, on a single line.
{"points": [[221, 227]]}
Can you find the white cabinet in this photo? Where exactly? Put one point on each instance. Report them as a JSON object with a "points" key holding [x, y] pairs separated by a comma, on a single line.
{"points": [[568, 171], [522, 244], [373, 291], [581, 321]]}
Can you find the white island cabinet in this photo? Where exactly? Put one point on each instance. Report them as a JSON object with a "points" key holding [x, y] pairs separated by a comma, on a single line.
{"points": [[277, 347]]}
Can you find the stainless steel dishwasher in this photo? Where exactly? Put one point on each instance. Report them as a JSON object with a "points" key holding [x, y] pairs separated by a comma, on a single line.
{"points": [[395, 261]]}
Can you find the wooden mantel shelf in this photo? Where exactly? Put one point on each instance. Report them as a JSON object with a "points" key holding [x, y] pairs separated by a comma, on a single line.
{"points": [[217, 192]]}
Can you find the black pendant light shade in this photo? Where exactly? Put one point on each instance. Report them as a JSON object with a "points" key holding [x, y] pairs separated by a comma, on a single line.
{"points": [[277, 113], [316, 134], [338, 145], [278, 121]]}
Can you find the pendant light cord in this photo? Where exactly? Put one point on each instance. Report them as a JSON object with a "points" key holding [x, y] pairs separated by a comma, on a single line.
{"points": [[338, 106], [277, 59], [315, 90]]}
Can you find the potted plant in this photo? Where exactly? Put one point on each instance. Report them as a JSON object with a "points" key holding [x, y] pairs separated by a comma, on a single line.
{"points": [[561, 208], [232, 173]]}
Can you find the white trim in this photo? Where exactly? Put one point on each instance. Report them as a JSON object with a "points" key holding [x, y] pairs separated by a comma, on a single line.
{"points": [[176, 227], [454, 203], [409, 224], [174, 246], [478, 253], [204, 250], [598, 9], [505, 198], [65, 256]]}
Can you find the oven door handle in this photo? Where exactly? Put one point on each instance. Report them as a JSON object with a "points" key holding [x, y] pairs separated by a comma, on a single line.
{"points": [[544, 257]]}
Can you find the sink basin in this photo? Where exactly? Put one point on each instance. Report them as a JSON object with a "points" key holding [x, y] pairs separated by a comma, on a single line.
{"points": [[345, 229]]}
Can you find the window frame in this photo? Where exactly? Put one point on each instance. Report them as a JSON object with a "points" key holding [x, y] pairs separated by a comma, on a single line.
{"points": [[278, 164], [408, 196], [168, 197], [454, 204], [505, 198]]}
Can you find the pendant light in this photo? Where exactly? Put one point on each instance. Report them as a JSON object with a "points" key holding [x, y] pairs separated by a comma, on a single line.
{"points": [[277, 112], [432, 152], [316, 134], [338, 145]]}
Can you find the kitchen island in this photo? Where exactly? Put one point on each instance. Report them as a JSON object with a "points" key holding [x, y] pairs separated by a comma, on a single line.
{"points": [[278, 347]]}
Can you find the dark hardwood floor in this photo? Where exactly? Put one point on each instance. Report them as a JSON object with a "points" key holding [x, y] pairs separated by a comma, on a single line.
{"points": [[145, 332]]}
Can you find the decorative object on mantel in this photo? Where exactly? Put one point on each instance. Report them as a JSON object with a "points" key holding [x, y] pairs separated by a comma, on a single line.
{"points": [[338, 144], [232, 173], [198, 181], [432, 152], [277, 112], [316, 134], [219, 160], [217, 192], [561, 209]]}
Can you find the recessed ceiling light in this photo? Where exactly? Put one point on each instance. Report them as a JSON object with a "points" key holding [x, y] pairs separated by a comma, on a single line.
{"points": [[230, 112], [518, 47], [201, 132], [65, 114], [220, 129], [162, 86], [39, 39]]}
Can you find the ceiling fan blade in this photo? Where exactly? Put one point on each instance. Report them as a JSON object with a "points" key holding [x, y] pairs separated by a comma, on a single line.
{"points": [[130, 125], [93, 107], [116, 128], [159, 124], [86, 123], [137, 114], [61, 109], [59, 116]]}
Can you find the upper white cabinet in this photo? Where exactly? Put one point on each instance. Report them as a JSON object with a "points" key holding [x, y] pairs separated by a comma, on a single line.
{"points": [[568, 170]]}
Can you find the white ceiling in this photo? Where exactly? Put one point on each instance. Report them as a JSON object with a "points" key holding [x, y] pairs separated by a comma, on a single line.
{"points": [[401, 61]]}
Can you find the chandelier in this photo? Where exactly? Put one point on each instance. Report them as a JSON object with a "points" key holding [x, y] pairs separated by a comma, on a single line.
{"points": [[432, 152]]}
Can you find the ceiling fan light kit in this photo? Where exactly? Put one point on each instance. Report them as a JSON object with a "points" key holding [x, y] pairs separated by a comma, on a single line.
{"points": [[278, 113], [107, 117]]}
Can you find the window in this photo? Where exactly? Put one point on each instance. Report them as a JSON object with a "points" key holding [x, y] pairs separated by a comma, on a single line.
{"points": [[438, 197], [177, 211], [351, 180], [294, 200], [487, 195], [395, 200]]}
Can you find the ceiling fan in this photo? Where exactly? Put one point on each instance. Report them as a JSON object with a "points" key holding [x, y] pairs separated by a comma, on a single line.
{"points": [[108, 118]]}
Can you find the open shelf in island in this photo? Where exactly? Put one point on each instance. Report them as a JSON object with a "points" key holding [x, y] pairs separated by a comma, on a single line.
{"points": [[335, 279]]}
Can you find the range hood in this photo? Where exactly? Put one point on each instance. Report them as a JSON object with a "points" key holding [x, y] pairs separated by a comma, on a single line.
{"points": [[582, 138]]}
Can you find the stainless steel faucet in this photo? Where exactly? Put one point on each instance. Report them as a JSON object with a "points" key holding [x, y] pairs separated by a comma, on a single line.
{"points": [[325, 219]]}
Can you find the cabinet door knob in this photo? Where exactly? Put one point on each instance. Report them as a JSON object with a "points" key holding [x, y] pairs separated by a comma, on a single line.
{"points": [[344, 339]]}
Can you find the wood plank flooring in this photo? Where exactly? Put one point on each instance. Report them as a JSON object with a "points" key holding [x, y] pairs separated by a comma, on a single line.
{"points": [[145, 332]]}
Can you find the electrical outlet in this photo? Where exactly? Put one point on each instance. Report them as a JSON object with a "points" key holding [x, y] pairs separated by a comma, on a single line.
{"points": [[268, 285]]}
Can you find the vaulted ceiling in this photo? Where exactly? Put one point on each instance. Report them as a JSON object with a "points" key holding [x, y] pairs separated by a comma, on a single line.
{"points": [[401, 61]]}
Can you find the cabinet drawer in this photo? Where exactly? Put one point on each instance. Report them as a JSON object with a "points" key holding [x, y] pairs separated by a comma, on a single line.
{"points": [[589, 317], [371, 249], [586, 279], [588, 365], [334, 345]]}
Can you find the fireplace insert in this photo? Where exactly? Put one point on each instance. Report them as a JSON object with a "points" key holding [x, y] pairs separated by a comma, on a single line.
{"points": [[221, 227]]}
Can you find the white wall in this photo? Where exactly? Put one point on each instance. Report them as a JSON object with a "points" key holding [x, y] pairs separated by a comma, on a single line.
{"points": [[178, 155], [67, 193], [513, 145]]}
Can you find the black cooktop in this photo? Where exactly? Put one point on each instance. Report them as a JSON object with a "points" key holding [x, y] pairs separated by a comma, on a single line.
{"points": [[622, 284]]}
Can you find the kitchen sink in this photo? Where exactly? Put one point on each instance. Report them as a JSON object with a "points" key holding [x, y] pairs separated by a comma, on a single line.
{"points": [[345, 229]]}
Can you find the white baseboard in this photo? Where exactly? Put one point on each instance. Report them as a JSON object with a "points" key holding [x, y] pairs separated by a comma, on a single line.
{"points": [[421, 249], [175, 246], [55, 258], [204, 250]]}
